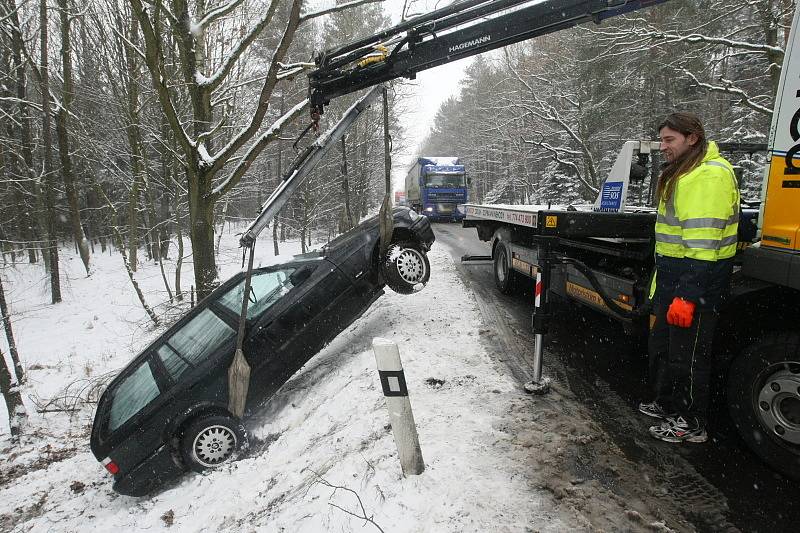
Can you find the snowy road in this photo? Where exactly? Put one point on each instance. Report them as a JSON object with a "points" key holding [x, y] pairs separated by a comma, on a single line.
{"points": [[719, 486]]}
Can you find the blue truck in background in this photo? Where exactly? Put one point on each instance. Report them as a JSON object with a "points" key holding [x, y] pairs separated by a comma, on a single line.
{"points": [[435, 186]]}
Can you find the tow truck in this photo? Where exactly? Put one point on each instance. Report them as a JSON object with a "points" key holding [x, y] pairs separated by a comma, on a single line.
{"points": [[601, 255]]}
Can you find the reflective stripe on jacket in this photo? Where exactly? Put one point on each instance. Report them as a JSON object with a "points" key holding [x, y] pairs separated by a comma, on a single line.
{"points": [[701, 219]]}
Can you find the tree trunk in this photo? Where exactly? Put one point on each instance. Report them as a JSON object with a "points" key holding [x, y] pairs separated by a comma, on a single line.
{"points": [[223, 216], [135, 144], [12, 345], [16, 410], [47, 147], [279, 177], [304, 220], [26, 216], [346, 187], [385, 217], [201, 233], [62, 130], [148, 206], [275, 248], [178, 230]]}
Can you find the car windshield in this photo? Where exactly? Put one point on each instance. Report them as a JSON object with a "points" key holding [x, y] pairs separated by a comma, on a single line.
{"points": [[444, 180], [266, 288]]}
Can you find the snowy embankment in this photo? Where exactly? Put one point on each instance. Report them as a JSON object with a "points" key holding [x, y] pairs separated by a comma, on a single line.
{"points": [[321, 452]]}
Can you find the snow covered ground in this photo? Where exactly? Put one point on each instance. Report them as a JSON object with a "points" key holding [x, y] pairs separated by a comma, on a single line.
{"points": [[322, 456]]}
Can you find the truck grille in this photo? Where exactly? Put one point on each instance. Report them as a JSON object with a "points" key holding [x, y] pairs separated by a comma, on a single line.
{"points": [[447, 196]]}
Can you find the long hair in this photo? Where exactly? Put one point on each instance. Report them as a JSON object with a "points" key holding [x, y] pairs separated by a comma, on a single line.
{"points": [[685, 124]]}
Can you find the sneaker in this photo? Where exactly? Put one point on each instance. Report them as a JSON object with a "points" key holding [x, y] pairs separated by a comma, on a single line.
{"points": [[653, 409], [677, 429]]}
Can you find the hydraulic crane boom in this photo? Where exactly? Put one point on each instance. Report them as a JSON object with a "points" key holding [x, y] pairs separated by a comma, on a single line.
{"points": [[460, 30], [301, 167]]}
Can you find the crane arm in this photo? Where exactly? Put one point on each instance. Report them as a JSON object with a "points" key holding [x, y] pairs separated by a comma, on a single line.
{"points": [[460, 30]]}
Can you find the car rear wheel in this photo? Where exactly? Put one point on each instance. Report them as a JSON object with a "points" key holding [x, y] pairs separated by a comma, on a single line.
{"points": [[764, 400], [212, 440], [406, 268]]}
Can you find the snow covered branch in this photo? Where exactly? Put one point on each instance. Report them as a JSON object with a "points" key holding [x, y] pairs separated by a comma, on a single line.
{"points": [[129, 44], [729, 88], [263, 140], [217, 77], [557, 157], [270, 81], [154, 62], [167, 12], [550, 113], [289, 70], [218, 13], [334, 9], [6, 15], [697, 38]]}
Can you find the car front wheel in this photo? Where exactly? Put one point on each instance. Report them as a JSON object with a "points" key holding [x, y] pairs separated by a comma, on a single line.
{"points": [[406, 268], [210, 441], [764, 400]]}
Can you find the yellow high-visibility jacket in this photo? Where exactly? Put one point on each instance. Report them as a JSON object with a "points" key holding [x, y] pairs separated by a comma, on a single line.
{"points": [[696, 233], [701, 219]]}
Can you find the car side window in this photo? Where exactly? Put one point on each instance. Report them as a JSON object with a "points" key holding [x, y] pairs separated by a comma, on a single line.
{"points": [[266, 288], [194, 342], [174, 363], [131, 395]]}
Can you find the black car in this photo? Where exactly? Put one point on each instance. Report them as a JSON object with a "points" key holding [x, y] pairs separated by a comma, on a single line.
{"points": [[167, 411]]}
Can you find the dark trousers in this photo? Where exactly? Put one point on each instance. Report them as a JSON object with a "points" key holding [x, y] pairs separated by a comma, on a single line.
{"points": [[680, 363]]}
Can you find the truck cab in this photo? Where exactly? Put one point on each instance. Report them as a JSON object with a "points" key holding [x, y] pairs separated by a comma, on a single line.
{"points": [[436, 186]]}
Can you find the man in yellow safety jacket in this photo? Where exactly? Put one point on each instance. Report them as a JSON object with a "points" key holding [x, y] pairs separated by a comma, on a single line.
{"points": [[696, 235]]}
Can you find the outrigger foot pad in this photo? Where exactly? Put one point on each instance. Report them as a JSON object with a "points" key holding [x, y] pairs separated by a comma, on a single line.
{"points": [[538, 387]]}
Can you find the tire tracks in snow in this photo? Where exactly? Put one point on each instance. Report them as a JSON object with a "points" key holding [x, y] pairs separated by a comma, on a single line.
{"points": [[604, 450]]}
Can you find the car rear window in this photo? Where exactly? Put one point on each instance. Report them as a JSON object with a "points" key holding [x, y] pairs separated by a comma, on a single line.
{"points": [[193, 343], [131, 395], [266, 288]]}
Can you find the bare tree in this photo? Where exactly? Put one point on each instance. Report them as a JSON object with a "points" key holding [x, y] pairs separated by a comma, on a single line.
{"points": [[63, 134], [47, 157], [214, 168]]}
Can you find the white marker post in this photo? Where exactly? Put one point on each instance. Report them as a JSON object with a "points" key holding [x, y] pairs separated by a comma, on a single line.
{"points": [[393, 381]]}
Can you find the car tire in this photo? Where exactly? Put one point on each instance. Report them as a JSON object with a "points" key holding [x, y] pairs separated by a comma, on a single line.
{"points": [[406, 268], [211, 441], [504, 277], [764, 400]]}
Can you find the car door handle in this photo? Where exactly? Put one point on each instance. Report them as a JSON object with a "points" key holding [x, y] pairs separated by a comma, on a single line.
{"points": [[261, 328]]}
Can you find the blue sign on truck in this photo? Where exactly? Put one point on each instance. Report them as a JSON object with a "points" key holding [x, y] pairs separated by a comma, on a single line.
{"points": [[611, 196], [435, 186]]}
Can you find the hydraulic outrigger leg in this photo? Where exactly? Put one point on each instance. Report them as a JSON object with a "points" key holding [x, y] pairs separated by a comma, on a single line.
{"points": [[539, 384]]}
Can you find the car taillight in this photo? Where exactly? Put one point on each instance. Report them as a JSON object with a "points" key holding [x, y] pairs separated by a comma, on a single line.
{"points": [[110, 465]]}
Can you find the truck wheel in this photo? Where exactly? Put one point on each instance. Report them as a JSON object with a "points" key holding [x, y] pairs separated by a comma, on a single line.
{"points": [[764, 400], [406, 268], [211, 440], [504, 277]]}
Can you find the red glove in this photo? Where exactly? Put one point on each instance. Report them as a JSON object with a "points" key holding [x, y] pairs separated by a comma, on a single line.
{"points": [[680, 313]]}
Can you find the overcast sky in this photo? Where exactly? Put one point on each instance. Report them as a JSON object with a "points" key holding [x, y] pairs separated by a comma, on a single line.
{"points": [[432, 88]]}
